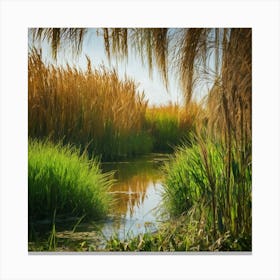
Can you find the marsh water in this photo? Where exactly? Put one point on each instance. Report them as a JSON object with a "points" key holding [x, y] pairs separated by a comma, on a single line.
{"points": [[137, 200], [137, 193]]}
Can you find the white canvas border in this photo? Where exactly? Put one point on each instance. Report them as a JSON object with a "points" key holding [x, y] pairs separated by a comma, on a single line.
{"points": [[17, 16]]}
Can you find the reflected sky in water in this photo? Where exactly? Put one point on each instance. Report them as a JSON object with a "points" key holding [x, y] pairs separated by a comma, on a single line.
{"points": [[137, 195]]}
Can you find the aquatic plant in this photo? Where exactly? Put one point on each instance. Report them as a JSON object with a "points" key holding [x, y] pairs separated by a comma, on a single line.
{"points": [[171, 124]]}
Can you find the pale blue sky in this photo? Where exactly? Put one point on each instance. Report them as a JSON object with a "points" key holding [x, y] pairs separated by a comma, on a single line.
{"points": [[153, 87]]}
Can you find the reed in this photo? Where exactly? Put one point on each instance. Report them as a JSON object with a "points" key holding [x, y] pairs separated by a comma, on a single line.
{"points": [[96, 111], [92, 109]]}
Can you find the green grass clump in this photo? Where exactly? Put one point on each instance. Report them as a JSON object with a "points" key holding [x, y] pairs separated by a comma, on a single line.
{"points": [[169, 125], [61, 180], [166, 128], [186, 181], [198, 176]]}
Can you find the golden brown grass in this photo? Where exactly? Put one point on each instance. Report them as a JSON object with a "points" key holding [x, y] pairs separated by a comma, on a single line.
{"points": [[93, 108]]}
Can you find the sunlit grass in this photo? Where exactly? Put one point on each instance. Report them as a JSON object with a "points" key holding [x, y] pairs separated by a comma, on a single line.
{"points": [[63, 182], [97, 111]]}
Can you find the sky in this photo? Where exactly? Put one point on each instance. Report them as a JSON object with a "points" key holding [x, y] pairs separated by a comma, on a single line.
{"points": [[93, 47], [153, 87]]}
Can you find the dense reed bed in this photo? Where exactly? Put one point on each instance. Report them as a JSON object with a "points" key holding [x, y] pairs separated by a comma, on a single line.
{"points": [[62, 181], [96, 111], [91, 109]]}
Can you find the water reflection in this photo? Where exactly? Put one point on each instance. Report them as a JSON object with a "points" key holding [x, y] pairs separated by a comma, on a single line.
{"points": [[137, 194], [131, 194]]}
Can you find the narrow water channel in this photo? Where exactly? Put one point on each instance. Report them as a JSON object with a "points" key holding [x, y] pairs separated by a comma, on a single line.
{"points": [[137, 193]]}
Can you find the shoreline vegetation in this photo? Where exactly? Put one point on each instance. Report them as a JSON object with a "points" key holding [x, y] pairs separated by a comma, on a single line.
{"points": [[78, 119]]}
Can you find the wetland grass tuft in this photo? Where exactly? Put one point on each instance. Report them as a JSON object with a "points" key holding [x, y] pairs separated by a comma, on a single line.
{"points": [[197, 177], [62, 181]]}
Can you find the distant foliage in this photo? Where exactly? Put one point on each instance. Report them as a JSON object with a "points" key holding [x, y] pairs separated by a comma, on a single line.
{"points": [[169, 125]]}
